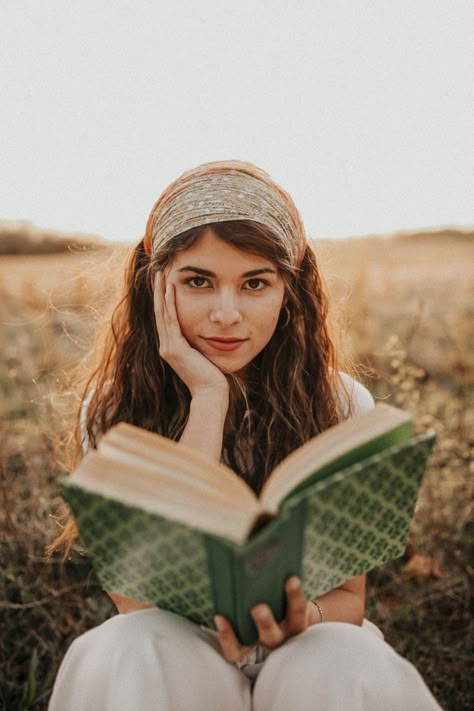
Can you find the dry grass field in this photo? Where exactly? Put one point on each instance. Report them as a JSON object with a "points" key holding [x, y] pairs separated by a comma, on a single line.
{"points": [[406, 311]]}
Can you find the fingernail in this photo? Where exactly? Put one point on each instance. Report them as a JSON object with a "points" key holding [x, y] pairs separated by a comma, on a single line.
{"points": [[219, 623], [294, 584], [262, 612]]}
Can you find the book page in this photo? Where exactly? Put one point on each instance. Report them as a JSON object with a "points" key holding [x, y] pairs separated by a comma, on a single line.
{"points": [[144, 469], [178, 463], [164, 495], [329, 446]]}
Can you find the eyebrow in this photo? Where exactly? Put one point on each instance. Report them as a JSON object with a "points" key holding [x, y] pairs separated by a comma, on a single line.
{"points": [[206, 272]]}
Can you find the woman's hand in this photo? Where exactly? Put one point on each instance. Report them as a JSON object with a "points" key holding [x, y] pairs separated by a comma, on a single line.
{"points": [[271, 634], [195, 370]]}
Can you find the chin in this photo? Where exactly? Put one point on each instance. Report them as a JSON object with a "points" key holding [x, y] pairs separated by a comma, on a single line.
{"points": [[226, 367], [229, 367]]}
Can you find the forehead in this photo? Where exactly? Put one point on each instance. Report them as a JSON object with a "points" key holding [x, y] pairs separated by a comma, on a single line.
{"points": [[212, 251]]}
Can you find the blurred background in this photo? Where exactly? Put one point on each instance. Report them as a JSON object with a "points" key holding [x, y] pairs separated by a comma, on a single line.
{"points": [[363, 112]]}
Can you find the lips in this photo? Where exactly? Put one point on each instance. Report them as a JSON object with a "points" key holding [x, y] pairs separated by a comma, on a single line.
{"points": [[227, 344], [226, 340]]}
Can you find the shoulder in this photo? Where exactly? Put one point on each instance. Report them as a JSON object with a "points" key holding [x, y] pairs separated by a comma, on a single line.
{"points": [[83, 417], [357, 393]]}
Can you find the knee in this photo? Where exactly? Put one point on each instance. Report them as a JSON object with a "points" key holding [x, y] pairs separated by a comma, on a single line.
{"points": [[336, 665], [330, 651], [126, 637], [137, 645], [136, 660], [345, 648]]}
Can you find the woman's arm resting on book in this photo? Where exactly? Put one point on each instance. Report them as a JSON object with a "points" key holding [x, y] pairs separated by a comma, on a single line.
{"points": [[345, 603]]}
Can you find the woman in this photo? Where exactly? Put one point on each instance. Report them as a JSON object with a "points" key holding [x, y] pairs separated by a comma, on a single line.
{"points": [[222, 342]]}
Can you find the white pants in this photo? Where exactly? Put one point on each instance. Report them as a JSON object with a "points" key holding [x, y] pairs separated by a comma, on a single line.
{"points": [[154, 660]]}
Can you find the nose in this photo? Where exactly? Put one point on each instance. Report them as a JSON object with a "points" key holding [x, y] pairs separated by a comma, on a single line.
{"points": [[225, 310]]}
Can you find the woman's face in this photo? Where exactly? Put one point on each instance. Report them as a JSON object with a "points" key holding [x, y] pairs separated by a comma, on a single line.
{"points": [[216, 297]]}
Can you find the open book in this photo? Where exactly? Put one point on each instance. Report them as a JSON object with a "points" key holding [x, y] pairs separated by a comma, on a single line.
{"points": [[165, 524]]}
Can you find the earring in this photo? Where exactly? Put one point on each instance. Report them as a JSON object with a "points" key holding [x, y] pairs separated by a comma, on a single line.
{"points": [[286, 310]]}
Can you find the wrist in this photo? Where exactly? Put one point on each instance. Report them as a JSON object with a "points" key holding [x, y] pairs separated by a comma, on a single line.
{"points": [[315, 613], [216, 396]]}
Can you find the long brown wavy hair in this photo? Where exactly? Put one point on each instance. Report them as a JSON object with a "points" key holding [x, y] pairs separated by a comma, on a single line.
{"points": [[291, 390]]}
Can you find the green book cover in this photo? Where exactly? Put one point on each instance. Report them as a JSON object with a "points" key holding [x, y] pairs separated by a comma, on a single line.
{"points": [[338, 523]]}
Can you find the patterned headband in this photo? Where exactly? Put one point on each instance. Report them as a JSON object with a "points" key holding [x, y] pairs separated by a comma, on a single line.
{"points": [[220, 191]]}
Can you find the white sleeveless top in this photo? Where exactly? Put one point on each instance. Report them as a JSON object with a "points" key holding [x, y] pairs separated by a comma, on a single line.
{"points": [[361, 398]]}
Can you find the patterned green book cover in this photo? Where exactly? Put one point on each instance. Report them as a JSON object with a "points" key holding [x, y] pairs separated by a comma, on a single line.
{"points": [[335, 529]]}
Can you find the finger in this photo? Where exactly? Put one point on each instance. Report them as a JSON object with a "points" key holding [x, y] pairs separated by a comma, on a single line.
{"points": [[159, 309], [170, 308], [158, 282], [231, 648], [269, 631], [295, 619], [158, 295], [174, 327]]}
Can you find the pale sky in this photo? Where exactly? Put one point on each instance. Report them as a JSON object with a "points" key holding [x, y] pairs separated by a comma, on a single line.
{"points": [[362, 110]]}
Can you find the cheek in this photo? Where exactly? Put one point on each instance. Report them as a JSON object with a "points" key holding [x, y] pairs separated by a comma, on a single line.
{"points": [[186, 311], [186, 306], [264, 322], [270, 311]]}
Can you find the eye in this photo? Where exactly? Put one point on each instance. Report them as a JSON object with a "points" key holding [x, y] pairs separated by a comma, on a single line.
{"points": [[203, 279], [198, 278], [265, 283]]}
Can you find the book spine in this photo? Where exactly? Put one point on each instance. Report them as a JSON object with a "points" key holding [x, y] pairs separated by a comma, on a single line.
{"points": [[255, 572], [221, 572]]}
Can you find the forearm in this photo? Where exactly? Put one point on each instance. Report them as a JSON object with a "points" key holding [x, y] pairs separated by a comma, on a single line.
{"points": [[338, 605], [205, 426]]}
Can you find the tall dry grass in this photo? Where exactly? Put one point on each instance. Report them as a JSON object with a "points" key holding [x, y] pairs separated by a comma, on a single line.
{"points": [[22, 237], [407, 319]]}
